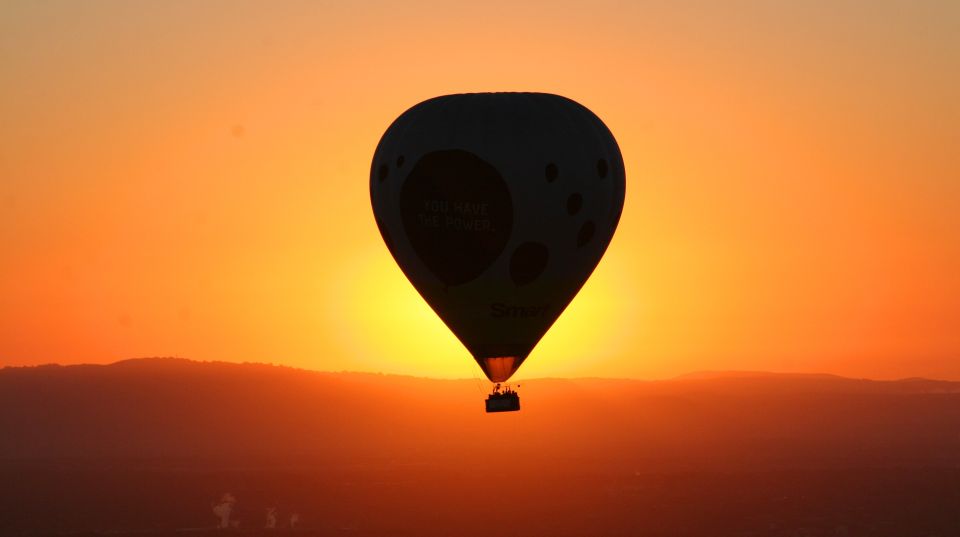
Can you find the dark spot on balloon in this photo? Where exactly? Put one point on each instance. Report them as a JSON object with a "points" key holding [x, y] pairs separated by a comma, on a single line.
{"points": [[457, 214], [400, 161], [528, 262], [551, 172], [602, 168], [383, 172], [574, 202], [585, 234]]}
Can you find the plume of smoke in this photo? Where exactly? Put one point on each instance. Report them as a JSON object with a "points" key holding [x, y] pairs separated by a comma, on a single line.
{"points": [[223, 509], [271, 518]]}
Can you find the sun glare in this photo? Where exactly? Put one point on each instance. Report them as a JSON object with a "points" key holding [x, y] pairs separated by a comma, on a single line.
{"points": [[384, 323]]}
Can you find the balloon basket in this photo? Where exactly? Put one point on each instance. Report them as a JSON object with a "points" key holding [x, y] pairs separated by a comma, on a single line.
{"points": [[505, 400]]}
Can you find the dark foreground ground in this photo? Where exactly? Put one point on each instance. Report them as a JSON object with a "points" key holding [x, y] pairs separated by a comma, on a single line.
{"points": [[146, 448], [421, 502]]}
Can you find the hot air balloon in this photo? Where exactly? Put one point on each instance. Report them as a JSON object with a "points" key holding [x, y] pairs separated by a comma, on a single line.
{"points": [[497, 207]]}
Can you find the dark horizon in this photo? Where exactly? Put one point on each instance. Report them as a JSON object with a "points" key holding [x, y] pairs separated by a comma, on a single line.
{"points": [[147, 445], [692, 375]]}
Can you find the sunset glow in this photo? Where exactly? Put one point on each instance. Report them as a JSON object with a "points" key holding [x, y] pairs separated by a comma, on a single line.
{"points": [[192, 180]]}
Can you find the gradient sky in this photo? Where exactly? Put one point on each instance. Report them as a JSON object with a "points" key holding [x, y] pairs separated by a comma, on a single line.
{"points": [[190, 179]]}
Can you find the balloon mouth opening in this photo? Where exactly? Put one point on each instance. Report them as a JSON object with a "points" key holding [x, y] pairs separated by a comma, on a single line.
{"points": [[499, 368]]}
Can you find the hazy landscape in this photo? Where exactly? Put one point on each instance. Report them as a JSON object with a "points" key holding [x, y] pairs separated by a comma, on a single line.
{"points": [[150, 445], [365, 195]]}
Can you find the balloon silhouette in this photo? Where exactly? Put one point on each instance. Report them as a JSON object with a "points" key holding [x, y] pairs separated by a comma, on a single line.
{"points": [[497, 207]]}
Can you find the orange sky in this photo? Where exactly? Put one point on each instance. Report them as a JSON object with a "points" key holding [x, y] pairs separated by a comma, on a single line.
{"points": [[190, 179]]}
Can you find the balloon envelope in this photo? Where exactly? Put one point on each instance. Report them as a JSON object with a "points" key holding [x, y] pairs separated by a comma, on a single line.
{"points": [[497, 207]]}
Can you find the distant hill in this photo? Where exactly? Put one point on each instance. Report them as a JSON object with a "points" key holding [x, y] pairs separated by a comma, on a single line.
{"points": [[705, 375], [147, 445], [149, 408]]}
